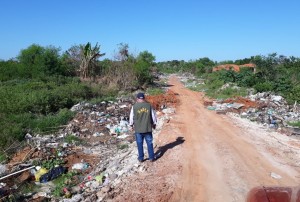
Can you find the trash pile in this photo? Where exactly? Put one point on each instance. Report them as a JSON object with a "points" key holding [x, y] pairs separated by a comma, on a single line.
{"points": [[266, 108], [84, 160]]}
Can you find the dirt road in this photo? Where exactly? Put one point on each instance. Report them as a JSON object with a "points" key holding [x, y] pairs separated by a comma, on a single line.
{"points": [[211, 157]]}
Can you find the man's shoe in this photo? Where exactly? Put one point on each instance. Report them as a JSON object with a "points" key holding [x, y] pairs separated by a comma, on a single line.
{"points": [[140, 160], [151, 160]]}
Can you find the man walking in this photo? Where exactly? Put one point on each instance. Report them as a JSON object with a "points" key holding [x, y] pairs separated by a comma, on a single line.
{"points": [[143, 119]]}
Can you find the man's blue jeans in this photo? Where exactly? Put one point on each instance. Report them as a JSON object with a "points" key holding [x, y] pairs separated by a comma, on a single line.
{"points": [[139, 137]]}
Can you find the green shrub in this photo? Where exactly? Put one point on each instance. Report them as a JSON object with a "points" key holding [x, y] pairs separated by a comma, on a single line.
{"points": [[41, 97], [142, 71], [293, 95], [263, 87]]}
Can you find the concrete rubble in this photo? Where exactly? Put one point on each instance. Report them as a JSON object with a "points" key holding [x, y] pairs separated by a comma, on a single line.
{"points": [[98, 146]]}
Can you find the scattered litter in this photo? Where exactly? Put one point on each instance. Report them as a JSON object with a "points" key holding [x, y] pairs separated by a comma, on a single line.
{"points": [[211, 108], [3, 169], [80, 166], [276, 176], [39, 173], [122, 136]]}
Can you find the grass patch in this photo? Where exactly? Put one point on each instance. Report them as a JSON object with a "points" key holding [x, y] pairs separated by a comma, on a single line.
{"points": [[65, 180], [227, 93], [72, 139], [29, 187], [122, 146], [2, 157], [155, 91]]}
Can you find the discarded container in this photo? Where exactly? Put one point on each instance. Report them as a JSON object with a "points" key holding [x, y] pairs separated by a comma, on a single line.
{"points": [[52, 174], [39, 173], [276, 176]]}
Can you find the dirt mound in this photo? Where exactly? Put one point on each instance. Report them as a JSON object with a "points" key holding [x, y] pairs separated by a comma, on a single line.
{"points": [[233, 67], [169, 99]]}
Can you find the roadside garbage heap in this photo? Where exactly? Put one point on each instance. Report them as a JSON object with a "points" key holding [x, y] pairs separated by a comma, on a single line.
{"points": [[102, 131], [270, 110], [91, 154], [118, 167], [115, 168]]}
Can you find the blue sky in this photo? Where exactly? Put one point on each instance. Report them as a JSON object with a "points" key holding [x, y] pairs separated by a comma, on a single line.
{"points": [[169, 29]]}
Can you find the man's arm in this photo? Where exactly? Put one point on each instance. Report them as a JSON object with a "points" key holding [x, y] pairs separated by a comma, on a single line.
{"points": [[131, 117], [154, 119]]}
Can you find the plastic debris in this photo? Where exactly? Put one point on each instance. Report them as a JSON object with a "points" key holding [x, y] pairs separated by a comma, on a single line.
{"points": [[52, 174], [276, 176], [39, 173], [80, 166], [3, 169]]}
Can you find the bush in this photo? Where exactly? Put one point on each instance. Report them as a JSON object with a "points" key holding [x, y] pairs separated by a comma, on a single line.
{"points": [[15, 126], [40, 97], [38, 105], [245, 78], [293, 95], [263, 87], [142, 71]]}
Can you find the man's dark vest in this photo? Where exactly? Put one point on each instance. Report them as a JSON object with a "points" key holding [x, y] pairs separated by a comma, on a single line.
{"points": [[142, 117]]}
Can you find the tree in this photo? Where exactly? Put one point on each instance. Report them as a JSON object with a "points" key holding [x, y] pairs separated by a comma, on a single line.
{"points": [[31, 55], [146, 57], [123, 52], [71, 60], [89, 57], [203, 65], [40, 61]]}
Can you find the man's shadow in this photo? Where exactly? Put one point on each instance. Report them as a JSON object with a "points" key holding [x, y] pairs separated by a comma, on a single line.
{"points": [[161, 150]]}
